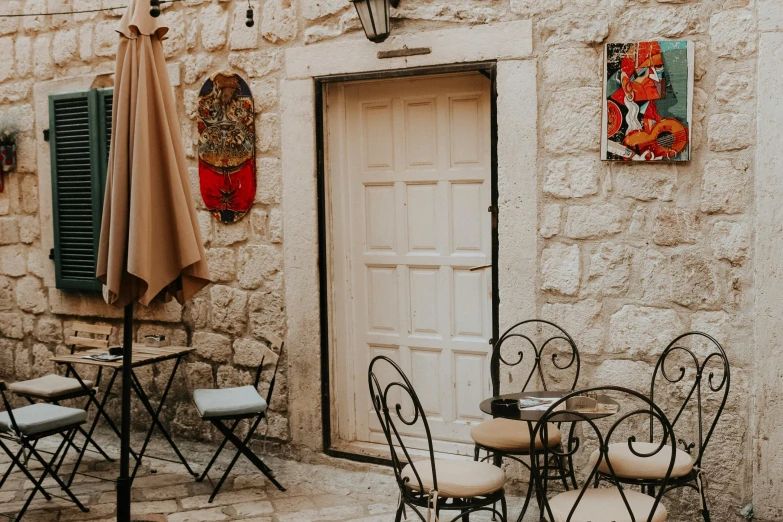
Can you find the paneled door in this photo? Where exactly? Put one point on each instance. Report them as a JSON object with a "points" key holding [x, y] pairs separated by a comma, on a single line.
{"points": [[409, 191]]}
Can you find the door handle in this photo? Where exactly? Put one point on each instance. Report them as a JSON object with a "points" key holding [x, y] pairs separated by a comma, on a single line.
{"points": [[480, 267]]}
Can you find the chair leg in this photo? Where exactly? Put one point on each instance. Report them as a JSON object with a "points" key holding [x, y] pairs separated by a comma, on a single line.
{"points": [[236, 457], [249, 455], [217, 453], [49, 471], [16, 461], [504, 508], [398, 516]]}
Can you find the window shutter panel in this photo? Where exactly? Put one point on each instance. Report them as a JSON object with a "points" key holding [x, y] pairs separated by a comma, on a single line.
{"points": [[76, 188]]}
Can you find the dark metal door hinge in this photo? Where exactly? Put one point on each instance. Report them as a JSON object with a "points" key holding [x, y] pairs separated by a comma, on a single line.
{"points": [[51, 254], [46, 134]]}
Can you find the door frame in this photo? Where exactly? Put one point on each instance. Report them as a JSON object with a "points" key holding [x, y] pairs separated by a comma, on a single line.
{"points": [[488, 69]]}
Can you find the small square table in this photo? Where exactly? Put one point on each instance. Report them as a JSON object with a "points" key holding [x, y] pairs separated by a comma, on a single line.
{"points": [[142, 356]]}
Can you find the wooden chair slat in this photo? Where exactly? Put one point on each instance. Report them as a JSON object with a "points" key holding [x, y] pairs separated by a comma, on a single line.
{"points": [[91, 328], [86, 342]]}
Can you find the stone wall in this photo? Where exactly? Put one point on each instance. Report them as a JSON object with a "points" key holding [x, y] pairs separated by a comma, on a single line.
{"points": [[629, 256]]}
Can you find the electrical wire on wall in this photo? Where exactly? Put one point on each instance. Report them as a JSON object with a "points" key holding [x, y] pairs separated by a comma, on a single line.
{"points": [[154, 4]]}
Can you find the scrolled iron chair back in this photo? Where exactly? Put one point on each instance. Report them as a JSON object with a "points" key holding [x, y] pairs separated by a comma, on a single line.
{"points": [[540, 352], [619, 425], [705, 384], [390, 413]]}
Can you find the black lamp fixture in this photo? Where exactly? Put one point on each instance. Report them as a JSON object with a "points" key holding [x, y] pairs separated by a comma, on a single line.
{"points": [[375, 16], [154, 8]]}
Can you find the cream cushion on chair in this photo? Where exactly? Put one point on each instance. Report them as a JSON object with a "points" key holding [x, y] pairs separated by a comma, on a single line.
{"points": [[49, 386], [605, 505], [510, 435], [457, 478], [627, 465], [40, 417], [225, 402]]}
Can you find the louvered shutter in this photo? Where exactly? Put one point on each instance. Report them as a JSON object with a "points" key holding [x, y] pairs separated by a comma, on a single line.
{"points": [[79, 130]]}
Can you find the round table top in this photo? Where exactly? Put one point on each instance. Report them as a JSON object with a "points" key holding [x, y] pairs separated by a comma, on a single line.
{"points": [[534, 415]]}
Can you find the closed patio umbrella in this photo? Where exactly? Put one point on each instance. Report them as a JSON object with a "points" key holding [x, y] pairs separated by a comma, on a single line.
{"points": [[150, 245]]}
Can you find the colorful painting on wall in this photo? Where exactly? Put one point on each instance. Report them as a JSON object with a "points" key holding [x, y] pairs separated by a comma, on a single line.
{"points": [[226, 147], [648, 93]]}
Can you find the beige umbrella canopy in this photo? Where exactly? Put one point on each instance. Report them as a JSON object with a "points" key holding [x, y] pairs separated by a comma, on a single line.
{"points": [[148, 214], [150, 244]]}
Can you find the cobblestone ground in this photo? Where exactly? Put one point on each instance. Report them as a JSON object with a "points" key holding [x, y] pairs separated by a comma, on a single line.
{"points": [[165, 492]]}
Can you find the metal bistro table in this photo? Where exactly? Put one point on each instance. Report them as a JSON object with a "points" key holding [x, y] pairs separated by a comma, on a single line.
{"points": [[142, 356], [531, 416]]}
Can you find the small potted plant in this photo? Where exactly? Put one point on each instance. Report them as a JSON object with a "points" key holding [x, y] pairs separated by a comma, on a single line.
{"points": [[8, 134]]}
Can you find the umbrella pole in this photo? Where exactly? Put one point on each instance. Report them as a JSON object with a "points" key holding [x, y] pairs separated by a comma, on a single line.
{"points": [[124, 480]]}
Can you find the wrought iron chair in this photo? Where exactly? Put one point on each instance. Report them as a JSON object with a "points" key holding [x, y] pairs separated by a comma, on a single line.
{"points": [[614, 502], [24, 427], [696, 380], [221, 406], [506, 438], [428, 484], [54, 388]]}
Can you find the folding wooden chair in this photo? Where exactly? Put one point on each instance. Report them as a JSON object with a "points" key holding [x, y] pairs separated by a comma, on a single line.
{"points": [[221, 406], [55, 388], [25, 427]]}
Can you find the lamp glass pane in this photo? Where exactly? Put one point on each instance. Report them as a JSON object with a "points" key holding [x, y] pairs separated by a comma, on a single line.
{"points": [[363, 10], [381, 12]]}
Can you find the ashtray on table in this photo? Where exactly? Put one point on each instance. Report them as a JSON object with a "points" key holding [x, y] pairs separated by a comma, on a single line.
{"points": [[504, 406]]}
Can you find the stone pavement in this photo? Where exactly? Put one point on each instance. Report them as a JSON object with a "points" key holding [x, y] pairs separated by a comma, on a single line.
{"points": [[343, 491]]}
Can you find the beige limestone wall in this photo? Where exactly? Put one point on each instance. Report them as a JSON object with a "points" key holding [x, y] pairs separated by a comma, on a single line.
{"points": [[627, 256]]}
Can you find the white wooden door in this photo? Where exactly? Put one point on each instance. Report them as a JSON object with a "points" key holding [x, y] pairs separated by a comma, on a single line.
{"points": [[409, 194]]}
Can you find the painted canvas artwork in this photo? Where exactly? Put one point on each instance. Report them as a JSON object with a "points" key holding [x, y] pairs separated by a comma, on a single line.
{"points": [[648, 92], [226, 147]]}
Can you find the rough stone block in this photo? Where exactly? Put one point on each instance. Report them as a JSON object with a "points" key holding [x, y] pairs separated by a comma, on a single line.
{"points": [[229, 309], [557, 77], [634, 375], [591, 221], [582, 320], [64, 46], [258, 223], [86, 305], [13, 261], [214, 347], [730, 131], [316, 9], [227, 235], [230, 377], [170, 312], [723, 189], [270, 181], [10, 25], [609, 271], [550, 221], [674, 225], [732, 33], [7, 350], [646, 182], [105, 39], [9, 231], [735, 86], [265, 94], [642, 330], [731, 241], [222, 264], [267, 314], [199, 376], [85, 42], [23, 54], [213, 20], [248, 352], [194, 66], [196, 312], [276, 225], [568, 111], [279, 23], [573, 177], [257, 264], [30, 295], [11, 325], [560, 269], [49, 330], [694, 280], [268, 135], [42, 361], [242, 37], [29, 229], [6, 59]]}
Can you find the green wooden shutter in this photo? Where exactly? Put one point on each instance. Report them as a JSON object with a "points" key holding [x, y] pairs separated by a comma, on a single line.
{"points": [[79, 130]]}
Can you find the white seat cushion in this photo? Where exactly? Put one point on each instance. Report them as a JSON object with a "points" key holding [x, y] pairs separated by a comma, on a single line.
{"points": [[227, 402], [605, 505], [49, 386], [457, 478], [41, 417], [627, 465], [510, 435]]}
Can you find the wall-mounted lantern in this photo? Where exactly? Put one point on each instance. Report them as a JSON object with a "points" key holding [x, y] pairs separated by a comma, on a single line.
{"points": [[375, 16]]}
